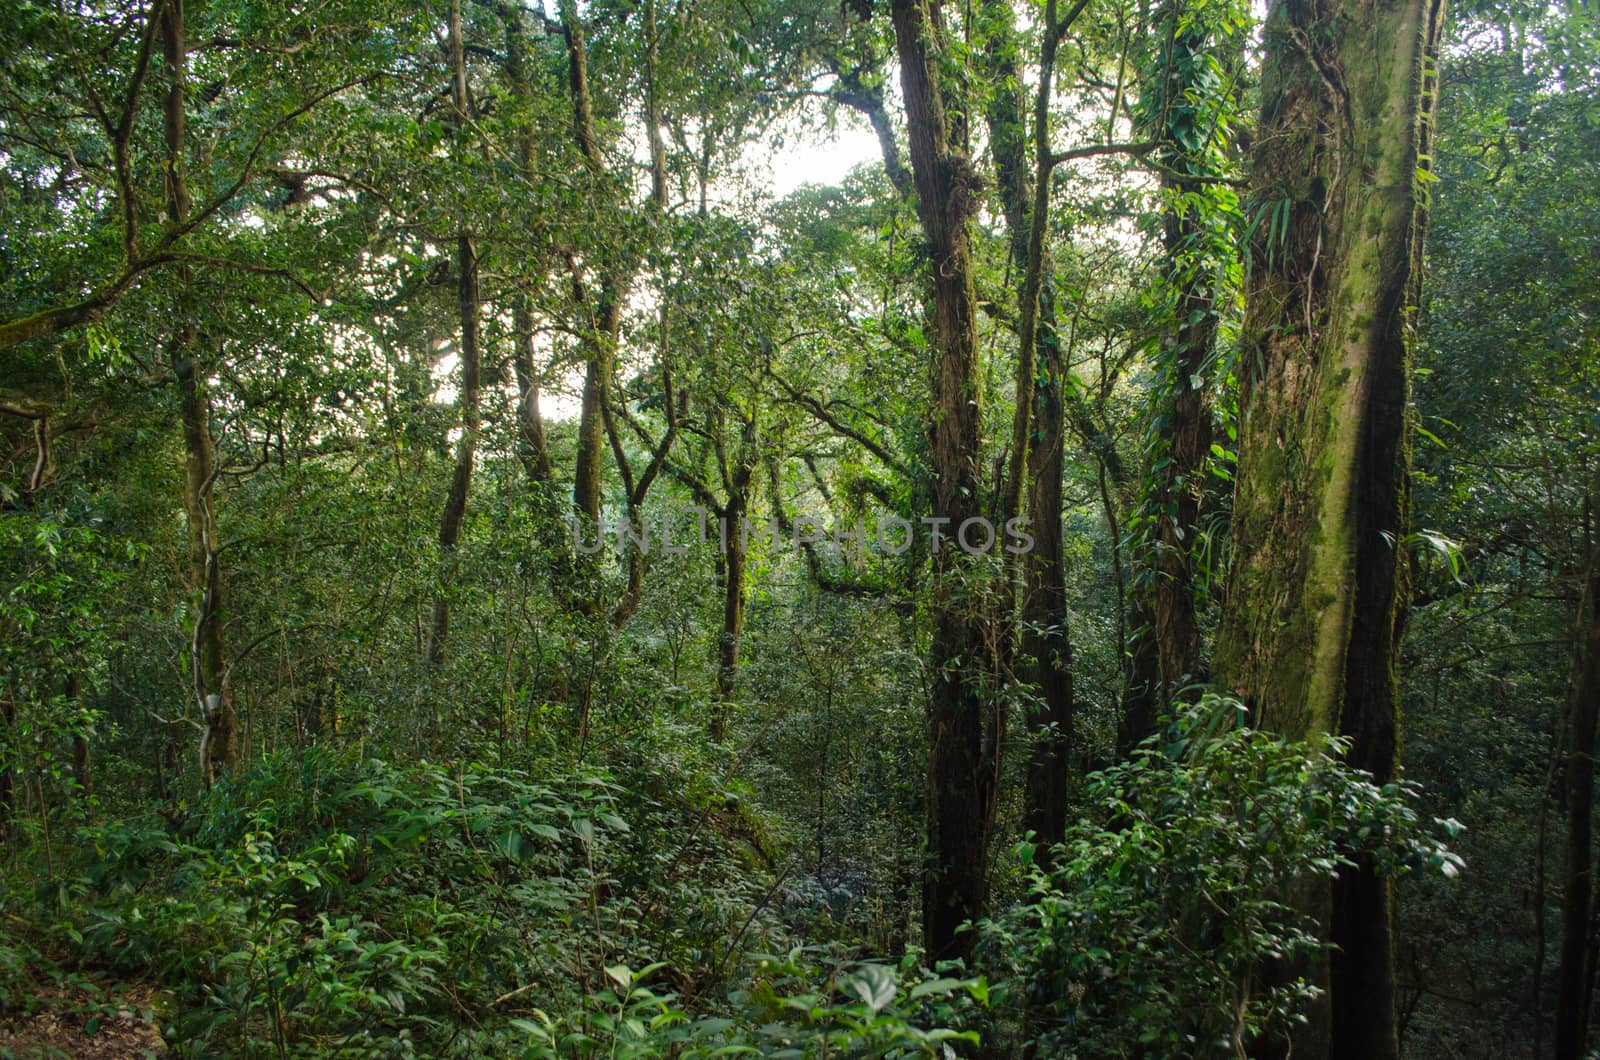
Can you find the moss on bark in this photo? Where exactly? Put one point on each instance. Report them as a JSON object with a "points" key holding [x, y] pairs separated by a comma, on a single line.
{"points": [[1314, 601]]}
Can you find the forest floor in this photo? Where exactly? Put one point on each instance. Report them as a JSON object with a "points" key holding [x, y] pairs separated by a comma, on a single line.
{"points": [[86, 1025]]}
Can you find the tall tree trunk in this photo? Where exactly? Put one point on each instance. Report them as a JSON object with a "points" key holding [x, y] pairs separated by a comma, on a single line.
{"points": [[602, 308], [208, 662], [531, 446], [604, 312], [1180, 426], [455, 508], [734, 564], [1166, 650], [1038, 428], [1141, 695], [1577, 906], [208, 657], [652, 111], [1045, 636], [599, 342], [964, 726], [1314, 600], [1177, 486], [737, 483]]}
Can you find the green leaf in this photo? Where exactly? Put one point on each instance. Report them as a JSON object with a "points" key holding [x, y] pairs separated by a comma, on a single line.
{"points": [[875, 985]]}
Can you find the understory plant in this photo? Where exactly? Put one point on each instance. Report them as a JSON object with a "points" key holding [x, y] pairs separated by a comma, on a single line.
{"points": [[1173, 919]]}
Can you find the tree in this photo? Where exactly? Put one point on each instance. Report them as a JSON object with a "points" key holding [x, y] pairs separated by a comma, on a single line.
{"points": [[1504, 459], [1188, 108], [208, 661], [1038, 433], [534, 450], [964, 725], [1316, 599], [732, 432], [1575, 979], [455, 507]]}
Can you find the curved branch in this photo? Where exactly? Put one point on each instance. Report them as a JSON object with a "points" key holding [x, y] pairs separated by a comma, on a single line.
{"points": [[820, 411], [1139, 150]]}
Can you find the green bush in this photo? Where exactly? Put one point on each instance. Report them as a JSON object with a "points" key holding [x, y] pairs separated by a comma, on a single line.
{"points": [[1149, 932]]}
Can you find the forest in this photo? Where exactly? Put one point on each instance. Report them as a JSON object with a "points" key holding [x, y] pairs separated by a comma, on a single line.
{"points": [[799, 528]]}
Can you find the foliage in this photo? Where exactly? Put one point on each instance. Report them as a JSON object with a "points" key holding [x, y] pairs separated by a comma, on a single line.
{"points": [[1157, 924], [320, 905], [547, 842]]}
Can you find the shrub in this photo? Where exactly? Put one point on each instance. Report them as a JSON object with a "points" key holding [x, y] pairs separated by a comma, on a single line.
{"points": [[1149, 932]]}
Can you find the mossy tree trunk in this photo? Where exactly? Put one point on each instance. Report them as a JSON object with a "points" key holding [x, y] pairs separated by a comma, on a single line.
{"points": [[1190, 132], [733, 568], [964, 723], [1315, 599], [1177, 478], [1039, 426], [208, 670], [737, 478]]}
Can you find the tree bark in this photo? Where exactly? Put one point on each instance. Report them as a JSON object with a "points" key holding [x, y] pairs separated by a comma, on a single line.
{"points": [[964, 725], [735, 561], [208, 656], [455, 508], [599, 340], [531, 446], [1577, 906], [1180, 428], [1177, 486], [599, 332], [734, 564], [1046, 640], [1039, 425], [1310, 639], [53, 321]]}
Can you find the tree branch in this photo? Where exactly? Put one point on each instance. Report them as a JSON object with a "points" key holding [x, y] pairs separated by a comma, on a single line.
{"points": [[1096, 150]]}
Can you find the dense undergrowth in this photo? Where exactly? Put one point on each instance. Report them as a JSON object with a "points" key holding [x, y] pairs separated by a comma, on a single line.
{"points": [[322, 904]]}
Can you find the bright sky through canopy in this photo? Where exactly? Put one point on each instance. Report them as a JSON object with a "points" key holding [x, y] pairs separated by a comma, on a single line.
{"points": [[816, 157]]}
